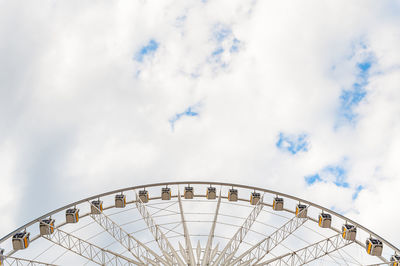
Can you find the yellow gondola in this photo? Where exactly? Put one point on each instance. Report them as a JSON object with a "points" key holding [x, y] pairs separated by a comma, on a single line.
{"points": [[254, 198], [165, 193], [96, 207], [20, 240], [120, 201], [277, 204], [46, 226], [349, 232], [394, 260], [373, 246], [144, 196], [324, 220], [189, 192], [301, 210], [211, 193], [233, 194], [72, 215]]}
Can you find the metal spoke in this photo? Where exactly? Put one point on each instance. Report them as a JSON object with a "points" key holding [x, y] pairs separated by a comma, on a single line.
{"points": [[262, 248], [133, 245], [158, 235], [311, 252], [230, 249], [207, 252], [88, 250], [23, 262], [189, 250]]}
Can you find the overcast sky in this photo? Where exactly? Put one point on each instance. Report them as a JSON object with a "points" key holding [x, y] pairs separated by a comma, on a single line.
{"points": [[302, 97]]}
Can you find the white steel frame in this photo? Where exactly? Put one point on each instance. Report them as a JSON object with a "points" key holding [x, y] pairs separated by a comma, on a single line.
{"points": [[188, 255]]}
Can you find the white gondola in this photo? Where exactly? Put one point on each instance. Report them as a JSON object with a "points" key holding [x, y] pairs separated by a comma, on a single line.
{"points": [[324, 220], [72, 215], [211, 193], [96, 207], [301, 210], [233, 194], [395, 260], [277, 204], [165, 193], [189, 192], [120, 201], [254, 198], [46, 226], [373, 246], [144, 196], [349, 232], [20, 240], [1, 256]]}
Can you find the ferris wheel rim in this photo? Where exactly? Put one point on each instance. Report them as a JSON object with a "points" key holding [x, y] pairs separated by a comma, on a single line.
{"points": [[193, 182]]}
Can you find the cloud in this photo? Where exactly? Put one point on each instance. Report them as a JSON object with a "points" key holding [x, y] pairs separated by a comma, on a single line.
{"points": [[77, 119]]}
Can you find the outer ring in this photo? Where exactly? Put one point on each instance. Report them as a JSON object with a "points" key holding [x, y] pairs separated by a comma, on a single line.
{"points": [[201, 183]]}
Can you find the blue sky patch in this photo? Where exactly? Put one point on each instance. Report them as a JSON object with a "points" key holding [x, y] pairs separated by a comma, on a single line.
{"points": [[190, 111], [146, 50], [312, 179], [351, 97], [293, 143], [358, 190]]}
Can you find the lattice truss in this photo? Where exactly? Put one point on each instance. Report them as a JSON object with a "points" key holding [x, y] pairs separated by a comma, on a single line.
{"points": [[197, 231]]}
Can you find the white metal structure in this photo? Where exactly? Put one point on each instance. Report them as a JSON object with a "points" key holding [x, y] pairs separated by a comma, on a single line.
{"points": [[198, 229]]}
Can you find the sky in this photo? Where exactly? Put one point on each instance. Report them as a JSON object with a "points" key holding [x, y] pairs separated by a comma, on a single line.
{"points": [[302, 97]]}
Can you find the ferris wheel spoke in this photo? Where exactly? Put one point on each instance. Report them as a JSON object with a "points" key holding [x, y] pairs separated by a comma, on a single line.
{"points": [[88, 250], [233, 245], [162, 241], [22, 262], [189, 250], [262, 248], [311, 252], [133, 245], [207, 252]]}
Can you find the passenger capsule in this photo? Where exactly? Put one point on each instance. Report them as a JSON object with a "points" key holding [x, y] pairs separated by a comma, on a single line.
{"points": [[373, 246], [20, 240], [301, 210], [189, 193], [46, 226], [144, 196], [165, 193], [324, 220], [394, 260], [211, 193], [349, 232], [277, 204], [120, 201], [72, 215], [254, 198], [96, 207], [1, 256], [233, 194]]}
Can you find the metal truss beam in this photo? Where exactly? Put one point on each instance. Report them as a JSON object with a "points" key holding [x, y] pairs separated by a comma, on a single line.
{"points": [[233, 245], [88, 250], [189, 250], [207, 251], [22, 262], [257, 252], [311, 252], [133, 245], [158, 235]]}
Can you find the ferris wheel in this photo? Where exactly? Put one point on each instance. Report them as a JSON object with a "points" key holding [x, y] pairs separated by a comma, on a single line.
{"points": [[197, 224]]}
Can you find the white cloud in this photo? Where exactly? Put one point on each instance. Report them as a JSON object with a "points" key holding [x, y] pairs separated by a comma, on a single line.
{"points": [[83, 120]]}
